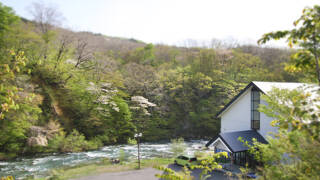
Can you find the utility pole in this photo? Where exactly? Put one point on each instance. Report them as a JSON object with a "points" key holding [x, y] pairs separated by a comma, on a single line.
{"points": [[138, 136]]}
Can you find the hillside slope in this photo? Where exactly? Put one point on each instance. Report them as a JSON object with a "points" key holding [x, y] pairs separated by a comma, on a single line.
{"points": [[72, 91]]}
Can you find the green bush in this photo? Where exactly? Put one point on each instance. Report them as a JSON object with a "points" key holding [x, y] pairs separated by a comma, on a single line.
{"points": [[94, 143], [132, 141], [177, 146], [74, 142], [56, 142], [7, 156], [123, 156], [104, 139]]}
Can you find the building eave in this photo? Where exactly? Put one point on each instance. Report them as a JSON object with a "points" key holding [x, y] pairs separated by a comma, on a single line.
{"points": [[212, 141], [232, 143]]}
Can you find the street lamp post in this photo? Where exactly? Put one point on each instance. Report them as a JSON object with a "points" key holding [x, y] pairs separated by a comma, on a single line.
{"points": [[137, 136]]}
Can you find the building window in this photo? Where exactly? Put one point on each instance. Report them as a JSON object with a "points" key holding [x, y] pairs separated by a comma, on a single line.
{"points": [[255, 114]]}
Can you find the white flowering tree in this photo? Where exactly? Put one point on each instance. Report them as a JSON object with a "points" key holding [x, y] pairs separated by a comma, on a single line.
{"points": [[113, 113], [104, 97], [141, 113]]}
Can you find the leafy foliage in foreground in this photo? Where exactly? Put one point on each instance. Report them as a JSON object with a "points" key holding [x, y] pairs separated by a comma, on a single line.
{"points": [[17, 109], [306, 36], [207, 164], [170, 174], [7, 178], [293, 153]]}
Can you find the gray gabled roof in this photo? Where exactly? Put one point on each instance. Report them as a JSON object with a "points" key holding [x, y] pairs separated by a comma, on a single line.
{"points": [[231, 139], [265, 87]]}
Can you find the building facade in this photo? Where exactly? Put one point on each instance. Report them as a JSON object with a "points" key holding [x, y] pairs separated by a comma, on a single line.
{"points": [[240, 118]]}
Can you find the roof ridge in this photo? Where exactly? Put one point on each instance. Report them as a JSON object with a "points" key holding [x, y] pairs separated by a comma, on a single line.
{"points": [[239, 131], [280, 82]]}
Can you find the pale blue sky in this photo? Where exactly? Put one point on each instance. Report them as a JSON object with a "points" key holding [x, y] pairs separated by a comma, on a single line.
{"points": [[173, 21]]}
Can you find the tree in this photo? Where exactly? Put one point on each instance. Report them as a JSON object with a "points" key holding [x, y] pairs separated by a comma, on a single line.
{"points": [[243, 67], [7, 19], [17, 111], [191, 102], [83, 54], [141, 112], [293, 153], [143, 55], [122, 121], [111, 115], [306, 36], [140, 79], [46, 18], [62, 44]]}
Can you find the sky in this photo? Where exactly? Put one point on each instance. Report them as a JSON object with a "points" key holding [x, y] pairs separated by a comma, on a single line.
{"points": [[174, 21]]}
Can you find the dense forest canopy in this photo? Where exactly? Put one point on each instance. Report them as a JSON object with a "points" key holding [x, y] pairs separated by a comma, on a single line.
{"points": [[62, 90]]}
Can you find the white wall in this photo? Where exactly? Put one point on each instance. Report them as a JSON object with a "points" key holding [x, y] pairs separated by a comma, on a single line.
{"points": [[265, 126], [238, 116], [220, 145]]}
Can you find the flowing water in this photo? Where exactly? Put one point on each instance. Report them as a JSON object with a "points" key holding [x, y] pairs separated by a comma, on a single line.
{"points": [[40, 166]]}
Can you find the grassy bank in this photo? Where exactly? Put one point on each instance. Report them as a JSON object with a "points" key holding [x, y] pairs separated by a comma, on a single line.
{"points": [[103, 167], [7, 156]]}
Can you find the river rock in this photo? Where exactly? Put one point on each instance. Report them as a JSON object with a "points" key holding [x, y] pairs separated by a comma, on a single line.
{"points": [[37, 136], [37, 141], [36, 131]]}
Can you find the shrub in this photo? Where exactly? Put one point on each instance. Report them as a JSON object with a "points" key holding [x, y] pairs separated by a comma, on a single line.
{"points": [[177, 146], [7, 178], [123, 156], [94, 143], [132, 141], [199, 154], [74, 142], [56, 142], [104, 139]]}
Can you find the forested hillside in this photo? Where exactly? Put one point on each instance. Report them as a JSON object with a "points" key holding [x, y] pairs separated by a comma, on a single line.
{"points": [[65, 91]]}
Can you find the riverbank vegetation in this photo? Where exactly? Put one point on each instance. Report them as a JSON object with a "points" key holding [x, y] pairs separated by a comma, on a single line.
{"points": [[66, 91]]}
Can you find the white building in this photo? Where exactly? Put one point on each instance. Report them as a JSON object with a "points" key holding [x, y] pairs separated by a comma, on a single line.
{"points": [[241, 118]]}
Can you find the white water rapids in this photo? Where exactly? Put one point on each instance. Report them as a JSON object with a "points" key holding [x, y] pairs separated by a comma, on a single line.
{"points": [[40, 166]]}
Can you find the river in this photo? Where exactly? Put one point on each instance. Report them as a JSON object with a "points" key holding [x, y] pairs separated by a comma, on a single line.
{"points": [[40, 166]]}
